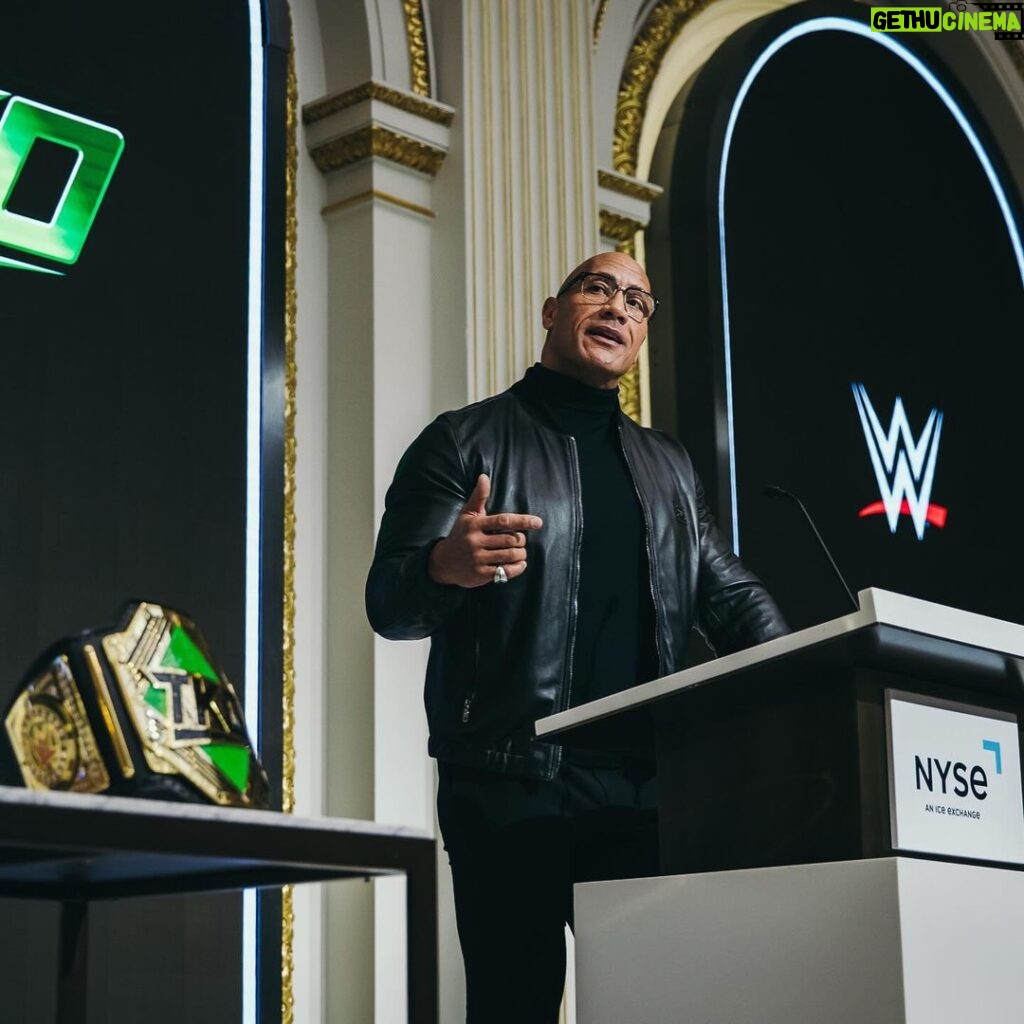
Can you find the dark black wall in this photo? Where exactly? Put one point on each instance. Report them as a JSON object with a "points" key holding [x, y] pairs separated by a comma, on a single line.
{"points": [[864, 244], [123, 425], [122, 383]]}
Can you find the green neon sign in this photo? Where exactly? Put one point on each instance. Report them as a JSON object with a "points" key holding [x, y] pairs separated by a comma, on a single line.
{"points": [[99, 149]]}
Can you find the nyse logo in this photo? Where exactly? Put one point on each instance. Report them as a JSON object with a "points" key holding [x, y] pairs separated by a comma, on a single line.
{"points": [[933, 771], [96, 150], [904, 465]]}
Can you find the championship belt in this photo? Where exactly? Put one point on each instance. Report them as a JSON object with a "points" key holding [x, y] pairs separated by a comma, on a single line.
{"points": [[142, 710]]}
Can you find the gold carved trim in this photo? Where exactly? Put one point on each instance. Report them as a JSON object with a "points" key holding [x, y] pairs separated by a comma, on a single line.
{"points": [[629, 386], [629, 392], [374, 140], [663, 24], [288, 623], [622, 229], [632, 187], [427, 109], [373, 193], [287, 954], [290, 387], [602, 8], [416, 36]]}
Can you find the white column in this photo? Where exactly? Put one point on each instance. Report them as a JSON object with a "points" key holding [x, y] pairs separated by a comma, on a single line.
{"points": [[379, 149], [530, 176]]}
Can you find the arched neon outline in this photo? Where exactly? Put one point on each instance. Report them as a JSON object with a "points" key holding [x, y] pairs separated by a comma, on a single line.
{"points": [[832, 24], [254, 469]]}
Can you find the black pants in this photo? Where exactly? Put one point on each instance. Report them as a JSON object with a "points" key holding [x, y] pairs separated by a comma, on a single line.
{"points": [[516, 847]]}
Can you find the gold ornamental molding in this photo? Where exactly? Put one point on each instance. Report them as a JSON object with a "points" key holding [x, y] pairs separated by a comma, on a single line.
{"points": [[629, 393], [602, 8], [374, 140], [627, 186], [618, 227], [372, 90], [288, 638], [629, 386], [663, 24], [384, 197], [290, 389], [416, 37]]}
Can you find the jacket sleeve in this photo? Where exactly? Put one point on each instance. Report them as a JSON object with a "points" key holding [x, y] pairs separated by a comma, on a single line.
{"points": [[734, 609], [422, 503]]}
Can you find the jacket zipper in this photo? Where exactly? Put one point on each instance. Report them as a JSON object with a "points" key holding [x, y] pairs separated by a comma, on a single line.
{"points": [[647, 544], [574, 585], [467, 703]]}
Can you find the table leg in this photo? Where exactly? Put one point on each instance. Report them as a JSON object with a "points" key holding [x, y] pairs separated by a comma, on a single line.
{"points": [[421, 926], [73, 962]]}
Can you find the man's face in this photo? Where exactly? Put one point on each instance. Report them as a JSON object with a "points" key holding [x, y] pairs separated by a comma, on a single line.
{"points": [[596, 344]]}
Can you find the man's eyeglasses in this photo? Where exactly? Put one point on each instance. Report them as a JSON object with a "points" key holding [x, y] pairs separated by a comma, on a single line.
{"points": [[598, 289]]}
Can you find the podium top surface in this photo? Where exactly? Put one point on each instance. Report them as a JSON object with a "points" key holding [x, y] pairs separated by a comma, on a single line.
{"points": [[908, 625]]}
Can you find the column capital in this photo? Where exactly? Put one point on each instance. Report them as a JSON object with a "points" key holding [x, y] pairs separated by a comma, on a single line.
{"points": [[625, 185], [375, 120], [624, 205]]}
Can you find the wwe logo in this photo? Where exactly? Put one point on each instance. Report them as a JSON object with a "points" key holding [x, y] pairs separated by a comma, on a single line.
{"points": [[904, 466]]}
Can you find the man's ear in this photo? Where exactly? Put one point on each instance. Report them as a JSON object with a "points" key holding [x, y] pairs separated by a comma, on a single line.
{"points": [[547, 312]]}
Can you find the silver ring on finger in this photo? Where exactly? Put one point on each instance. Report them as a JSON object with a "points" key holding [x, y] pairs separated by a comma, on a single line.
{"points": [[500, 576]]}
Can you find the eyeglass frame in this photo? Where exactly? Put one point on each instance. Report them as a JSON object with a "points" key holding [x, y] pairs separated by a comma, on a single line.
{"points": [[576, 278]]}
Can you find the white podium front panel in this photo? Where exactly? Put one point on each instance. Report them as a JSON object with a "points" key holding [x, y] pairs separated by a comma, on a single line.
{"points": [[954, 779], [890, 941]]}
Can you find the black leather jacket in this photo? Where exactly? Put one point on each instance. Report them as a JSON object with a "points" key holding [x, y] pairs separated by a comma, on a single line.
{"points": [[501, 656]]}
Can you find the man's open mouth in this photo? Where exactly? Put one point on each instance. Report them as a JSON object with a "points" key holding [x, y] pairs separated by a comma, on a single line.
{"points": [[607, 333]]}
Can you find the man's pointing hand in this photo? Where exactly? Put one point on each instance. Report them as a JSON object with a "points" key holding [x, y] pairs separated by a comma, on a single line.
{"points": [[479, 542]]}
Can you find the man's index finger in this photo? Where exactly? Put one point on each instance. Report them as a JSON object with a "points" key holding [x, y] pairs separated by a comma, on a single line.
{"points": [[510, 521]]}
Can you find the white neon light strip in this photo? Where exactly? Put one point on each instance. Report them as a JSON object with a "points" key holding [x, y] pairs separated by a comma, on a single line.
{"points": [[855, 28], [253, 470]]}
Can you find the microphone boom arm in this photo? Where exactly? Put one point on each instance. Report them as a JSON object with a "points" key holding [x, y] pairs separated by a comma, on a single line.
{"points": [[773, 491]]}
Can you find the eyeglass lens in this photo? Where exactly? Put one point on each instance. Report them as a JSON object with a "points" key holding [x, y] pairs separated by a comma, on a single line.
{"points": [[599, 289]]}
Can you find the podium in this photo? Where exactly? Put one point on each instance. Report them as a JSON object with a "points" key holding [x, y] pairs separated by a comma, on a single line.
{"points": [[820, 796]]}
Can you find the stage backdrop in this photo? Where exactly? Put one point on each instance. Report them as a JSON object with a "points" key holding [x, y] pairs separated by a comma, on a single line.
{"points": [[131, 317], [847, 264]]}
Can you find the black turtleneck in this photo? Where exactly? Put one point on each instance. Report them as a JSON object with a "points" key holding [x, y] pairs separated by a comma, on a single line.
{"points": [[614, 646]]}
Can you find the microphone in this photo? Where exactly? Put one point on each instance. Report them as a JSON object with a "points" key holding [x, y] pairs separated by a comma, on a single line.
{"points": [[773, 491]]}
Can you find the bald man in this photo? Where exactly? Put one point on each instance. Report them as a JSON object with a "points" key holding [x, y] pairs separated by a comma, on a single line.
{"points": [[554, 552]]}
